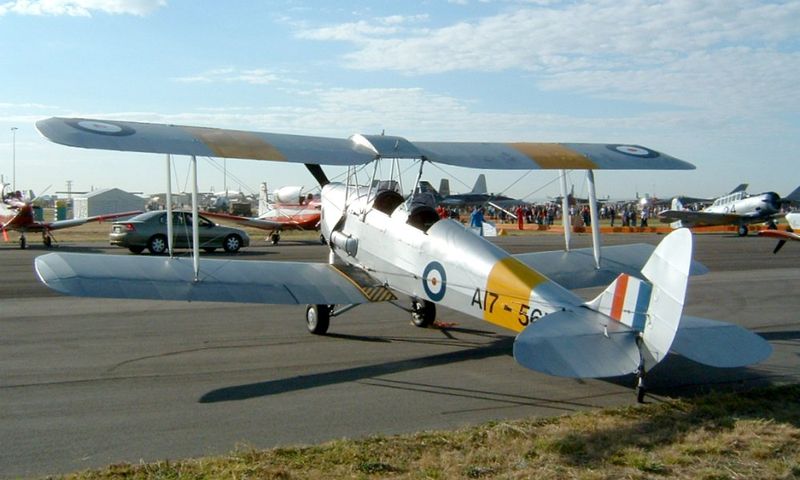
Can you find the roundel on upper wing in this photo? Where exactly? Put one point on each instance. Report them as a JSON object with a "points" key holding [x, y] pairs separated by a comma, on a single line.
{"points": [[434, 281], [633, 151], [102, 128]]}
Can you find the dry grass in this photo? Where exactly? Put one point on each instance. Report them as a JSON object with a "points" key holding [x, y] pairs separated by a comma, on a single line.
{"points": [[750, 435]]}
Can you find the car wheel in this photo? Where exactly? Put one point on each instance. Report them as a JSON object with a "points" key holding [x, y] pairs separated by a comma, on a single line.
{"points": [[136, 250], [232, 243], [318, 318], [157, 244]]}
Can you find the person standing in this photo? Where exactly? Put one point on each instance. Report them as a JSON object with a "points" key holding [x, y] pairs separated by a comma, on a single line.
{"points": [[520, 217], [476, 219]]}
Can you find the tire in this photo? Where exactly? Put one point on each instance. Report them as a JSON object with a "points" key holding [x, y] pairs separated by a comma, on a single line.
{"points": [[48, 241], [322, 239], [232, 243], [157, 244], [742, 231], [23, 243], [318, 318], [137, 250], [423, 313], [209, 249], [275, 238]]}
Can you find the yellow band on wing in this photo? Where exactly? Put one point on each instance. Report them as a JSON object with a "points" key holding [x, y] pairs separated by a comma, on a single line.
{"points": [[235, 144], [508, 292], [554, 156]]}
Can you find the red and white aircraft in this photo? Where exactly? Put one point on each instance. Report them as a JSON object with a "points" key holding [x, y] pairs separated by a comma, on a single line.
{"points": [[17, 214], [793, 219], [290, 210]]}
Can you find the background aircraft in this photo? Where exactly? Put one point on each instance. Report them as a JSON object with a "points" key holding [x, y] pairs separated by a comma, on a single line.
{"points": [[382, 244], [17, 214], [290, 210], [738, 208], [478, 196]]}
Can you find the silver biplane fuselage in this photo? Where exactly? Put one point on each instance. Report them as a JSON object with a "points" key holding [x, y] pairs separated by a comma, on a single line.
{"points": [[408, 247]]}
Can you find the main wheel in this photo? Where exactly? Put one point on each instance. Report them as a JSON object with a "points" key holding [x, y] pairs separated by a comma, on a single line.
{"points": [[275, 238], [318, 318], [47, 240], [742, 231], [322, 239], [157, 244], [423, 313], [137, 249], [232, 243], [23, 243]]}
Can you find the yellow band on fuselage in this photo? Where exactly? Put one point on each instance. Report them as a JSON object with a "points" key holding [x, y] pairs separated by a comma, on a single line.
{"points": [[507, 295]]}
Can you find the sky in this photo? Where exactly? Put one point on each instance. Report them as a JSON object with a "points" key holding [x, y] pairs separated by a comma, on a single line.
{"points": [[715, 83]]}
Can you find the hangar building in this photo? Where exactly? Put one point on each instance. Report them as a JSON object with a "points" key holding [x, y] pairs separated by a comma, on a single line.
{"points": [[102, 202]]}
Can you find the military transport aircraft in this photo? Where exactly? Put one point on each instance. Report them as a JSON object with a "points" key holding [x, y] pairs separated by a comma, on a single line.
{"points": [[16, 213], [793, 219], [290, 210], [738, 208], [383, 245]]}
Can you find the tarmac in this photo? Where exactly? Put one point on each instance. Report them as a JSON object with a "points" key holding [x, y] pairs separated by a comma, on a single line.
{"points": [[89, 382]]}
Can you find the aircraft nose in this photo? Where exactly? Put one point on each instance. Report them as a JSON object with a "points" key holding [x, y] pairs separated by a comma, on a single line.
{"points": [[774, 200]]}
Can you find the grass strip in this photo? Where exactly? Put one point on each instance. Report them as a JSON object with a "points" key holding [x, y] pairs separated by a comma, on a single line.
{"points": [[753, 435]]}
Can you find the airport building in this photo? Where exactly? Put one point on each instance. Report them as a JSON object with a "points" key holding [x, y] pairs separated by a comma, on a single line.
{"points": [[102, 202]]}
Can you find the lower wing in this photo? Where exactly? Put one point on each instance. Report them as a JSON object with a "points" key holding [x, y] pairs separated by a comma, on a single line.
{"points": [[699, 219], [162, 278]]}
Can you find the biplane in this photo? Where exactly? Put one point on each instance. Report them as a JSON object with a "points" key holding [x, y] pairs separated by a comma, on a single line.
{"points": [[793, 221], [384, 245]]}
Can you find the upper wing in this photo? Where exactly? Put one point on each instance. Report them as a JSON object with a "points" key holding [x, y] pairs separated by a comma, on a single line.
{"points": [[781, 234], [59, 224], [699, 219], [358, 149], [160, 278], [576, 268]]}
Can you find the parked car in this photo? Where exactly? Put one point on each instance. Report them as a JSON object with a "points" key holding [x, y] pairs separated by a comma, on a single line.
{"points": [[149, 230]]}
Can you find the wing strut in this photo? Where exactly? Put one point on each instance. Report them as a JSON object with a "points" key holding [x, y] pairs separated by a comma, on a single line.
{"points": [[593, 215], [195, 226], [565, 217], [170, 230]]}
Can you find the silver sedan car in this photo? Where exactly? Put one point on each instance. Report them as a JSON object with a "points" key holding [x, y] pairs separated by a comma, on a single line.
{"points": [[149, 230]]}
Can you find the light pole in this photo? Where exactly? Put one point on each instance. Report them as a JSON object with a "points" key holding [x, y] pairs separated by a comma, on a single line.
{"points": [[13, 159]]}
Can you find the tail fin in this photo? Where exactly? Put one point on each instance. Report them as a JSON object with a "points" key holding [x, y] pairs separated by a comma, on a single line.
{"points": [[444, 187], [480, 185], [740, 188], [652, 308], [794, 196]]}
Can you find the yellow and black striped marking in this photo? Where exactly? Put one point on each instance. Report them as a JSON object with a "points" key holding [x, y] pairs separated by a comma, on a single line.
{"points": [[374, 292]]}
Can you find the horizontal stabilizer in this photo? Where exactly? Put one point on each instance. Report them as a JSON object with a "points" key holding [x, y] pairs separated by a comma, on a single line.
{"points": [[162, 278], [576, 268], [719, 344], [579, 343]]}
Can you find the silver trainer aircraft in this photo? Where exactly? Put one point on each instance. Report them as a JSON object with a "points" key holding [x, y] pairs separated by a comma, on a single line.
{"points": [[736, 208], [383, 245]]}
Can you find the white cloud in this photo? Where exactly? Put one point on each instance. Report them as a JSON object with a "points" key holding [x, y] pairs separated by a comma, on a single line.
{"points": [[735, 55], [258, 76], [82, 8]]}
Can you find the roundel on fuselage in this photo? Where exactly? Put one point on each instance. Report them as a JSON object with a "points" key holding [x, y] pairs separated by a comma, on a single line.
{"points": [[434, 281]]}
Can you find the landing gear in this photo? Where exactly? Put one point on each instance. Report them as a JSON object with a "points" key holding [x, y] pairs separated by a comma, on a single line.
{"points": [[742, 231], [23, 242], [47, 240], [772, 225], [318, 318], [275, 237], [423, 313]]}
